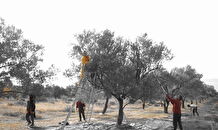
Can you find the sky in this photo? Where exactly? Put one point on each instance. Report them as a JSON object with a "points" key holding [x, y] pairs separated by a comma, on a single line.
{"points": [[188, 27]]}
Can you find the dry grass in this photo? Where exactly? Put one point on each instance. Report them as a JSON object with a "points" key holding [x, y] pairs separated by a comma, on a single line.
{"points": [[132, 111], [7, 108], [1, 99], [12, 126], [51, 107], [12, 114]]}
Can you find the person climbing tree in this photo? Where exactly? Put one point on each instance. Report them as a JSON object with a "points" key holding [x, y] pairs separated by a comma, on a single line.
{"points": [[85, 60], [80, 106], [30, 115], [176, 111], [194, 109]]}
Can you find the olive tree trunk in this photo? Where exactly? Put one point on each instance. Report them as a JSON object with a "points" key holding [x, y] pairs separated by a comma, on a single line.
{"points": [[166, 104], [105, 106], [120, 114], [183, 102]]}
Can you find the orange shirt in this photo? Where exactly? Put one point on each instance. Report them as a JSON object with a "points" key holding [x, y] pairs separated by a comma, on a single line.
{"points": [[85, 59]]}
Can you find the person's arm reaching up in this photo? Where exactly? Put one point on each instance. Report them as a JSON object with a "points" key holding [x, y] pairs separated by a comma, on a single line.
{"points": [[170, 99]]}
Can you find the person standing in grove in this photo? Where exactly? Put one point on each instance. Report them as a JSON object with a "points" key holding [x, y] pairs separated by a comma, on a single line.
{"points": [[176, 111], [30, 115], [80, 106]]}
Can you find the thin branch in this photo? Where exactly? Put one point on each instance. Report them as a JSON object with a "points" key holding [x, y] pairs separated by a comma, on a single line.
{"points": [[114, 95], [160, 84], [143, 76], [125, 105]]}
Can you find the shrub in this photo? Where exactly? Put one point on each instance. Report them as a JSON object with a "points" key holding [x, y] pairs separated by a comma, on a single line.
{"points": [[13, 114], [51, 100], [112, 103], [67, 109], [64, 98], [21, 103], [42, 99], [10, 104], [69, 99]]}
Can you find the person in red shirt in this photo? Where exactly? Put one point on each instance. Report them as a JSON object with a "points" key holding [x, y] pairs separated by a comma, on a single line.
{"points": [[80, 106], [176, 111]]}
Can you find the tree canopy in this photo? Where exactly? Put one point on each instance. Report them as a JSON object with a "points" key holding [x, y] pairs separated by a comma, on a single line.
{"points": [[117, 65], [19, 59]]}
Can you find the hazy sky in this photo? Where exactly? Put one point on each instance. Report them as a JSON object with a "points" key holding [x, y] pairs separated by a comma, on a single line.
{"points": [[188, 27]]}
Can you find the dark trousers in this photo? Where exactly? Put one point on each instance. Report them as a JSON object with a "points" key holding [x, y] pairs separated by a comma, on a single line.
{"points": [[177, 119], [195, 110], [82, 113], [30, 118]]}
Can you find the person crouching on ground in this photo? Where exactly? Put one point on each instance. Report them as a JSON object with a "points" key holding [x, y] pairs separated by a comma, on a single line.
{"points": [[30, 115], [194, 109], [80, 106], [176, 111]]}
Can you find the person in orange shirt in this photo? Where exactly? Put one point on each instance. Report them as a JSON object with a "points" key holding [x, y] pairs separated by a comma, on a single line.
{"points": [[176, 102]]}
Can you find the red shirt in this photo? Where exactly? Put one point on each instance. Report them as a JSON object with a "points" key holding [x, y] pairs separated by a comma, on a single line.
{"points": [[80, 105], [176, 105]]}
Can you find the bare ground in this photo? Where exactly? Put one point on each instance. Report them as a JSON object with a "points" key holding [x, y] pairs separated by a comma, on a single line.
{"points": [[152, 118]]}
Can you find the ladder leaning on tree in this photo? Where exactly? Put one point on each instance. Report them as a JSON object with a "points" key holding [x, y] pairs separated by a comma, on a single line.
{"points": [[85, 60]]}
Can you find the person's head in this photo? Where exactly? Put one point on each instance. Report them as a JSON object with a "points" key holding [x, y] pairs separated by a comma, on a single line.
{"points": [[179, 97], [31, 97], [188, 105]]}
